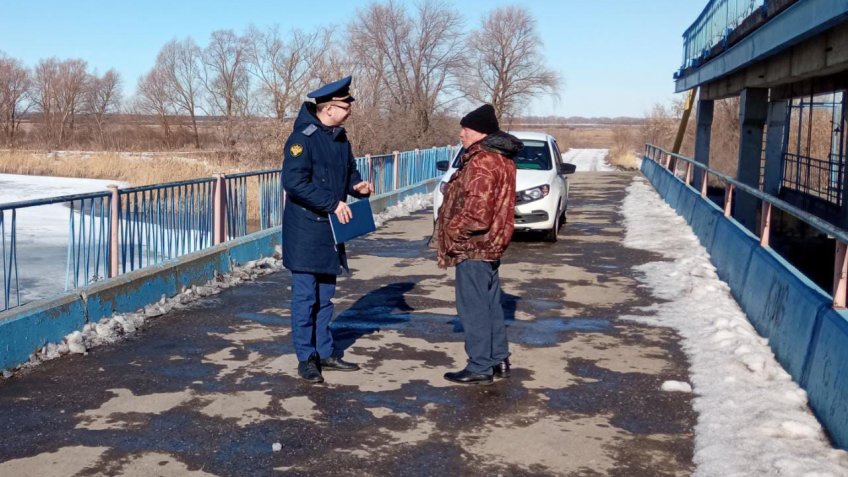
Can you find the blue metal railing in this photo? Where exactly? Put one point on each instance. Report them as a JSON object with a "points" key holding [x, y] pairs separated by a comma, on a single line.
{"points": [[677, 163], [267, 187], [164, 221], [714, 24], [87, 249], [160, 222]]}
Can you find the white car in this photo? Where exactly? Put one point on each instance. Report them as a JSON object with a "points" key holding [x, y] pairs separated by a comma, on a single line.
{"points": [[541, 184]]}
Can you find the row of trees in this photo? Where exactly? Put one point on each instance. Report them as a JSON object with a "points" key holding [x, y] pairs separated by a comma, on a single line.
{"points": [[415, 68], [60, 92]]}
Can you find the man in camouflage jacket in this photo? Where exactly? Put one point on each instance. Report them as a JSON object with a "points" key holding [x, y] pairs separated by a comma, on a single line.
{"points": [[473, 230]]}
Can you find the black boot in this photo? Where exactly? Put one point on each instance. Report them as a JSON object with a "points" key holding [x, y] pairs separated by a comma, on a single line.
{"points": [[309, 370], [337, 364], [467, 377], [501, 370]]}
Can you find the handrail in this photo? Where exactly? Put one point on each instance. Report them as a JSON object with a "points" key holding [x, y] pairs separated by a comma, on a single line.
{"points": [[713, 25], [839, 291], [164, 185], [816, 222], [51, 200], [251, 173]]}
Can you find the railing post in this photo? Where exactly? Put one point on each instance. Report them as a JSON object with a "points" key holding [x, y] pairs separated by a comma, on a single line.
{"points": [[371, 177], [704, 183], [396, 156], [115, 216], [728, 199], [688, 173], [219, 231], [765, 224], [840, 272]]}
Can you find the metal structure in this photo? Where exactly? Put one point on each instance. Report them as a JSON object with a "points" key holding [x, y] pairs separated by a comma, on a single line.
{"points": [[164, 221], [713, 27], [122, 230], [814, 146], [686, 169], [88, 239]]}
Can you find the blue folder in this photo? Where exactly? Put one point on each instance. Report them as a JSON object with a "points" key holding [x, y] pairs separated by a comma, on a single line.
{"points": [[362, 222]]}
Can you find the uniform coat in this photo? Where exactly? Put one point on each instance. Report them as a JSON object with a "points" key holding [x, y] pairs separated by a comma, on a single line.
{"points": [[319, 171]]}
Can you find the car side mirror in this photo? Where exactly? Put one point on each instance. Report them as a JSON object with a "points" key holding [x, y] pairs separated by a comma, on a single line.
{"points": [[566, 168], [442, 165]]}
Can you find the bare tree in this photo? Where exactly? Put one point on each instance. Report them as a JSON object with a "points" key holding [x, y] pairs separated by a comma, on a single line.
{"points": [[507, 69], [181, 62], [285, 69], [45, 84], [226, 80], [415, 60], [103, 96], [154, 98], [15, 82], [58, 94]]}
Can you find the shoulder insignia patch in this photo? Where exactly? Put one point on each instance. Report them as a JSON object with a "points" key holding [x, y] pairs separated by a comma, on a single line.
{"points": [[309, 129], [295, 150]]}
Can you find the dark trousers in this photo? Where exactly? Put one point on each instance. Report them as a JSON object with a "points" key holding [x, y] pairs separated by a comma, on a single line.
{"points": [[311, 312], [478, 301]]}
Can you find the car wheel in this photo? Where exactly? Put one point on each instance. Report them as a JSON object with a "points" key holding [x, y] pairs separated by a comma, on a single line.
{"points": [[551, 234]]}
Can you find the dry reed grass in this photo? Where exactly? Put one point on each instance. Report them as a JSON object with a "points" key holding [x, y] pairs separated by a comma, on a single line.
{"points": [[135, 170]]}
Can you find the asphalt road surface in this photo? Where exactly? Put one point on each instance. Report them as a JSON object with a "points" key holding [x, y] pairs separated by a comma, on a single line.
{"points": [[209, 390]]}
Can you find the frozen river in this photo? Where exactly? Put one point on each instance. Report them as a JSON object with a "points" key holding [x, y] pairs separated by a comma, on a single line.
{"points": [[41, 232]]}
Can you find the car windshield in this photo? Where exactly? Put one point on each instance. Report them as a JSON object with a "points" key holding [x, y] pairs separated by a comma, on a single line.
{"points": [[536, 156]]}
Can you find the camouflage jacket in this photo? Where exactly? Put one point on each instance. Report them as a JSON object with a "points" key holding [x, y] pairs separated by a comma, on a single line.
{"points": [[476, 218]]}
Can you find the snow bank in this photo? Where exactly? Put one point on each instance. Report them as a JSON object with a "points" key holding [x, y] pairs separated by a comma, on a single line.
{"points": [[752, 418]]}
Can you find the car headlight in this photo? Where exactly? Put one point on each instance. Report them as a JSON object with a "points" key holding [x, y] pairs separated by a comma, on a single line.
{"points": [[530, 195]]}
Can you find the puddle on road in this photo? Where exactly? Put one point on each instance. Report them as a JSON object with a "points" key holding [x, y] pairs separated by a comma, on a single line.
{"points": [[545, 331]]}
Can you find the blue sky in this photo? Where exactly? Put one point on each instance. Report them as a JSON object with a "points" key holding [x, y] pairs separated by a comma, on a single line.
{"points": [[616, 56]]}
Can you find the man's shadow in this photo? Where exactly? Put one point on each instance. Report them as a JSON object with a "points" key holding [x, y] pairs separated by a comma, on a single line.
{"points": [[377, 309], [387, 307]]}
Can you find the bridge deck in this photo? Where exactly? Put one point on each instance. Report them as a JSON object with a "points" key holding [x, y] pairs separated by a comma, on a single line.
{"points": [[209, 389]]}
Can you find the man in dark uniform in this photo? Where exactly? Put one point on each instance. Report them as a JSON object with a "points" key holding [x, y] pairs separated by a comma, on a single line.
{"points": [[319, 172]]}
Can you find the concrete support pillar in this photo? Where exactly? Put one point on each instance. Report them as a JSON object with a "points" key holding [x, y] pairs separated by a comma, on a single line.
{"points": [[753, 110], [773, 171], [703, 132]]}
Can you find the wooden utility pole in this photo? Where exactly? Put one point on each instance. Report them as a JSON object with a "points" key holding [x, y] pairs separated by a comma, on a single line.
{"points": [[681, 129]]}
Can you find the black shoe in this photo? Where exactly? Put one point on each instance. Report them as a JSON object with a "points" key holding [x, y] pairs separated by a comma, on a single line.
{"points": [[337, 364], [309, 370], [501, 370], [467, 377]]}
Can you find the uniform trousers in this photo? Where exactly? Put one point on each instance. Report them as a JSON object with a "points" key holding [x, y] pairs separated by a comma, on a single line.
{"points": [[311, 312]]}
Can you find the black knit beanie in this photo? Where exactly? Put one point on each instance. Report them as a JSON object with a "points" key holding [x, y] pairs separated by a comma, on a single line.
{"points": [[482, 120]]}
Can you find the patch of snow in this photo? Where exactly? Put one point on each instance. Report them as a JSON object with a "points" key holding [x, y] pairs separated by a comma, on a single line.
{"points": [[276, 447], [405, 207], [676, 386], [752, 418], [588, 160]]}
